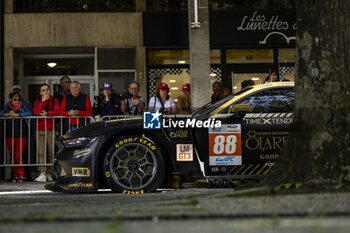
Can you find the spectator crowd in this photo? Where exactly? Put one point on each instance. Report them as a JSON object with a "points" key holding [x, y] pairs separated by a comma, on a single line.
{"points": [[70, 102]]}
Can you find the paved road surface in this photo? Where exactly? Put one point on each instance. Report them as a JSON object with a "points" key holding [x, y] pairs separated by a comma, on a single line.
{"points": [[32, 209]]}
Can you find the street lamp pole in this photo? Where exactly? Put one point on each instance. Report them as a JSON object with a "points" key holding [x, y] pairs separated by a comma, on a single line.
{"points": [[198, 16]]}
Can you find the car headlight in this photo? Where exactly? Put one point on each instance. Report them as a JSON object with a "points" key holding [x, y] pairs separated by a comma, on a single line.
{"points": [[81, 141]]}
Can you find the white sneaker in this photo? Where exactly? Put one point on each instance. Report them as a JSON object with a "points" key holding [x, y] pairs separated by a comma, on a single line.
{"points": [[41, 178], [49, 178]]}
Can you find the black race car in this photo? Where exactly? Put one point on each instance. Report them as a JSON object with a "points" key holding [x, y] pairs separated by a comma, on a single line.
{"points": [[236, 138]]}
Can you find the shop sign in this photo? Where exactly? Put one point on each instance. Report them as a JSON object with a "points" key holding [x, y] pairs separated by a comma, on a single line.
{"points": [[253, 27]]}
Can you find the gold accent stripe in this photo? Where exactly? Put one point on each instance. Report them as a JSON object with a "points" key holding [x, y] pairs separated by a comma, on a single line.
{"points": [[267, 170], [239, 170], [258, 172], [254, 169], [247, 169], [234, 167]]}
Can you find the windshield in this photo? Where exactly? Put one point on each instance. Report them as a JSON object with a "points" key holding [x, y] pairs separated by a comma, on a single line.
{"points": [[211, 106]]}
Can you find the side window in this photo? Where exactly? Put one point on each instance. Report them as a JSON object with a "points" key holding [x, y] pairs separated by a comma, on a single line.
{"points": [[275, 100]]}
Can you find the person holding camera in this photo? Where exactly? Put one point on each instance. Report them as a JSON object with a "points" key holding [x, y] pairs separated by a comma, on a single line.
{"points": [[108, 103], [132, 103], [162, 101]]}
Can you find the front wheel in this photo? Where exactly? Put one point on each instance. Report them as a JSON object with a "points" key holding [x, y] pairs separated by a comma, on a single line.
{"points": [[134, 164]]}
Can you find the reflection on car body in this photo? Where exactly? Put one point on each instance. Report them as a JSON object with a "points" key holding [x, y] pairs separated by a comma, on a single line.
{"points": [[123, 156]]}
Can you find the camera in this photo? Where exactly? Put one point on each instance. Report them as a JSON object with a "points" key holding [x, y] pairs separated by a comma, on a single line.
{"points": [[125, 95], [133, 110], [164, 110]]}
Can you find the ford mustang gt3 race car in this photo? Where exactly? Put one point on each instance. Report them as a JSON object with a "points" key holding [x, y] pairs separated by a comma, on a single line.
{"points": [[237, 138]]}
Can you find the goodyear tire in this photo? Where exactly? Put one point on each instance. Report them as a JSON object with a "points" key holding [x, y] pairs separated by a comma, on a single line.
{"points": [[134, 165]]}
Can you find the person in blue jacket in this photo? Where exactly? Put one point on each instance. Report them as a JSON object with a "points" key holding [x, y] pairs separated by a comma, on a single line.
{"points": [[109, 102], [16, 132]]}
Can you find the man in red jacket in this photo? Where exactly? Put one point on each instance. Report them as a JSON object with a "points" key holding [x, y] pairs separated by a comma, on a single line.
{"points": [[76, 104], [45, 106]]}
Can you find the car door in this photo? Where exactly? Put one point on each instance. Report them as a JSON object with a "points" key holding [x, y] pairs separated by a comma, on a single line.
{"points": [[249, 141]]}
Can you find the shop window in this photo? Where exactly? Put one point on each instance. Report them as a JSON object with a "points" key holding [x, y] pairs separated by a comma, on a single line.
{"points": [[26, 6], [249, 56], [238, 78], [251, 4], [175, 78], [177, 57], [58, 66], [115, 58], [286, 55], [119, 80], [286, 73]]}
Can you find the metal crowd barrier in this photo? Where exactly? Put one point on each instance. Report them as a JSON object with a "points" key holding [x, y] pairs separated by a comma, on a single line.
{"points": [[30, 155], [112, 117]]}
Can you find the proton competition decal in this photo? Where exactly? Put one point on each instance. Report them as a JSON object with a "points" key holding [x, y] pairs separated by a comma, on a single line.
{"points": [[184, 152], [225, 147]]}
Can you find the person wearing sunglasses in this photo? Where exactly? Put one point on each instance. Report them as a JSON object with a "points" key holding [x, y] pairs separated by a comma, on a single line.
{"points": [[16, 132], [64, 90]]}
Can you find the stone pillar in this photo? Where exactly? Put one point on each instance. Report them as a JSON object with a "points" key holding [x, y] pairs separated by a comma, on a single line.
{"points": [[199, 53], [141, 70], [8, 72], [140, 5], [8, 6]]}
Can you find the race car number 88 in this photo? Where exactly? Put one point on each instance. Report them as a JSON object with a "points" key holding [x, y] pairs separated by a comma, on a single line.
{"points": [[220, 147], [225, 144]]}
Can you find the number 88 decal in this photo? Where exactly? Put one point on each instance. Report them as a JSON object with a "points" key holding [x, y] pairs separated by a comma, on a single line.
{"points": [[225, 144], [219, 146]]}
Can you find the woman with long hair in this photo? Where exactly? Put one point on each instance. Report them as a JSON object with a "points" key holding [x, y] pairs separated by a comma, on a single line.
{"points": [[162, 101]]}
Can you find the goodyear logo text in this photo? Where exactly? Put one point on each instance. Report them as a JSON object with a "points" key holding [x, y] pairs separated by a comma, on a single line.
{"points": [[136, 139]]}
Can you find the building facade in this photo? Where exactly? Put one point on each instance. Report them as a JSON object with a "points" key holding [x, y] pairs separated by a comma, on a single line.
{"points": [[142, 40]]}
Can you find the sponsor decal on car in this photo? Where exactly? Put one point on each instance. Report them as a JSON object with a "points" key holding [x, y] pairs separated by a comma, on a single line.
{"points": [[135, 139], [225, 147], [184, 152], [265, 140], [81, 171], [80, 185], [181, 133], [268, 118], [132, 192]]}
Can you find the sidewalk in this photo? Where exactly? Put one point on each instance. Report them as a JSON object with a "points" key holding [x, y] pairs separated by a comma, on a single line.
{"points": [[6, 186]]}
